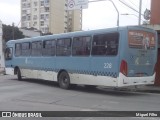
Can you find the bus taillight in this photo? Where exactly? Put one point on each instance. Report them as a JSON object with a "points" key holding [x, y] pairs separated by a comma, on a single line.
{"points": [[124, 67]]}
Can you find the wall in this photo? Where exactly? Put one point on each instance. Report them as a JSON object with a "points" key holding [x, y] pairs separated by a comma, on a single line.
{"points": [[155, 12], [2, 63]]}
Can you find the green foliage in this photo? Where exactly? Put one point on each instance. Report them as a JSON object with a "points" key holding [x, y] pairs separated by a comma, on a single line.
{"points": [[10, 33]]}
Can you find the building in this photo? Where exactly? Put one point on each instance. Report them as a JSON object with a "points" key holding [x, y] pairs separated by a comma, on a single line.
{"points": [[155, 24], [49, 16], [2, 63]]}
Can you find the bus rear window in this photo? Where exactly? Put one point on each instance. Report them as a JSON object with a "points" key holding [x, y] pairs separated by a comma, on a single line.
{"points": [[105, 44], [141, 39]]}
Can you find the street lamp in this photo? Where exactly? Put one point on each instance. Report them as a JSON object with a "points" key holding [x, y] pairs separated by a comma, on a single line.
{"points": [[113, 5]]}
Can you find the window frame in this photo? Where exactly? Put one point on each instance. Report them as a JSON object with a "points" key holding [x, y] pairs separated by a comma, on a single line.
{"points": [[63, 46], [29, 50], [51, 48], [82, 37], [17, 55], [107, 33], [40, 49]]}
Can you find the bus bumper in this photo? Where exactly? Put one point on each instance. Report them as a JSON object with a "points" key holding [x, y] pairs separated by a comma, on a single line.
{"points": [[9, 71], [130, 81]]}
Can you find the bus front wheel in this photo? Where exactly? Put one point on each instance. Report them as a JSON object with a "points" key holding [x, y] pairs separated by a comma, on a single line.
{"points": [[19, 75], [64, 80]]}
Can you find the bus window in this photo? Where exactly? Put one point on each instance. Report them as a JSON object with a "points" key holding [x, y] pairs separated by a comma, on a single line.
{"points": [[25, 49], [18, 49], [81, 46], [105, 44], [37, 48], [49, 48], [63, 47], [8, 54]]}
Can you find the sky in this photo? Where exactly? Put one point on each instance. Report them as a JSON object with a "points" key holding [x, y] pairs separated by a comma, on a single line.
{"points": [[98, 15]]}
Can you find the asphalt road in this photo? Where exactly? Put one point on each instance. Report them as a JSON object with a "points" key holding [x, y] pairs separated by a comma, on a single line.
{"points": [[36, 95]]}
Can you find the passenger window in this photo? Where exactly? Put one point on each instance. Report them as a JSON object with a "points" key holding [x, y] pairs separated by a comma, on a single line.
{"points": [[25, 49], [105, 44], [81, 46], [63, 47], [49, 48], [37, 48], [18, 49]]}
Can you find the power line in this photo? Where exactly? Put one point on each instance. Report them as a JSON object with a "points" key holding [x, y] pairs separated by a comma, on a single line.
{"points": [[133, 4], [129, 6]]}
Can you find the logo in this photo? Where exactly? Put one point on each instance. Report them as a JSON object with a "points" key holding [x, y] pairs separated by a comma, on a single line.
{"points": [[6, 114]]}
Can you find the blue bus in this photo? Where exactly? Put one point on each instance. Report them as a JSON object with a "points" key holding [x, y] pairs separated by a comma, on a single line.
{"points": [[115, 57]]}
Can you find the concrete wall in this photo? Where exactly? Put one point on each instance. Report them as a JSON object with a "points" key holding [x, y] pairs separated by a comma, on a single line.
{"points": [[155, 12], [2, 63]]}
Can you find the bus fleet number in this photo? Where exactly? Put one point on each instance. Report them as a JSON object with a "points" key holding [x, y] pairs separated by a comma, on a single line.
{"points": [[107, 65]]}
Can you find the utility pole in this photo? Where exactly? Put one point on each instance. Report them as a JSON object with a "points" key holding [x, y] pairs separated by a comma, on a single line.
{"points": [[13, 30], [140, 10]]}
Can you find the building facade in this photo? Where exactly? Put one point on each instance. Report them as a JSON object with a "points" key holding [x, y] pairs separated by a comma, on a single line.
{"points": [[49, 16]]}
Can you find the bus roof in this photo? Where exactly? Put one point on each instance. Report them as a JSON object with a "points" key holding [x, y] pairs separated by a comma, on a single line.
{"points": [[77, 33]]}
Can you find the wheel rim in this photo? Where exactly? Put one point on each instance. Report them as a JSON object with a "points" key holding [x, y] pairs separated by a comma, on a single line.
{"points": [[64, 80]]}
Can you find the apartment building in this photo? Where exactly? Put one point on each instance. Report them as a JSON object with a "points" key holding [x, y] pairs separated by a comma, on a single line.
{"points": [[50, 16]]}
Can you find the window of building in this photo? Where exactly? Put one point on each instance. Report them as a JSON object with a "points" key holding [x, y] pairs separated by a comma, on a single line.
{"points": [[46, 9], [105, 44], [42, 3], [35, 17], [35, 3], [24, 11], [81, 46], [47, 1], [35, 24], [42, 23], [25, 49], [18, 49], [63, 47], [23, 18], [49, 47], [28, 5], [37, 48], [42, 16], [28, 17], [35, 9]]}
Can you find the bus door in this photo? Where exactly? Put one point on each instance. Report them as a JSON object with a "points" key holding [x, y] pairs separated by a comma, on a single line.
{"points": [[141, 54]]}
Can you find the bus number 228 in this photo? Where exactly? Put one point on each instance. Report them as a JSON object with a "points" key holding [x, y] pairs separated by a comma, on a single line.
{"points": [[107, 65]]}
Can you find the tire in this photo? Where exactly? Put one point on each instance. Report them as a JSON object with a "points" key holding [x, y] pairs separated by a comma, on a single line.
{"points": [[19, 75], [64, 80]]}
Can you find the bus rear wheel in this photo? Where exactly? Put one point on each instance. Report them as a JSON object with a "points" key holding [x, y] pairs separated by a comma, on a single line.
{"points": [[64, 80], [19, 74]]}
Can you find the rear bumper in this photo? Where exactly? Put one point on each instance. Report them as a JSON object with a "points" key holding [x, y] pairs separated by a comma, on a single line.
{"points": [[9, 71], [130, 81]]}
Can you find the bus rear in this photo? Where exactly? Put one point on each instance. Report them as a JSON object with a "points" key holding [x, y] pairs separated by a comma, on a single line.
{"points": [[138, 57]]}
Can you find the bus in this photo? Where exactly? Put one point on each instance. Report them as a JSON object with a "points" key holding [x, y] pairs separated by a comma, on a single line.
{"points": [[113, 57]]}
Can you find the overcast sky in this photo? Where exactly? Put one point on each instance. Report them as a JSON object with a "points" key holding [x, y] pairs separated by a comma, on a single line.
{"points": [[98, 15]]}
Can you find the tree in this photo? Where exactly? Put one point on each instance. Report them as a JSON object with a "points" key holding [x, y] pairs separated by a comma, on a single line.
{"points": [[10, 33]]}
